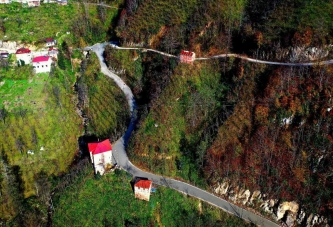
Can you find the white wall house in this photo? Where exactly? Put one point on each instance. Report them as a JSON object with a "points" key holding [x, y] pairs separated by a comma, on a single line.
{"points": [[23, 54], [101, 155], [42, 64], [142, 189], [49, 42], [33, 3], [5, 1]]}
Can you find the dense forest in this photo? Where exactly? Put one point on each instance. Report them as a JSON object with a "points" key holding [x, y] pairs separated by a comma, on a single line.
{"points": [[266, 127]]}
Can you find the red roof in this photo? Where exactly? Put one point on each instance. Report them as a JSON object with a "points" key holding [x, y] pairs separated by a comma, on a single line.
{"points": [[53, 48], [143, 184], [100, 147], [23, 51], [49, 40], [186, 53], [41, 59]]}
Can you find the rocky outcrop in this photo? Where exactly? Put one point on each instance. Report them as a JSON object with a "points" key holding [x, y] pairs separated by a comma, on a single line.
{"points": [[9, 46], [287, 212]]}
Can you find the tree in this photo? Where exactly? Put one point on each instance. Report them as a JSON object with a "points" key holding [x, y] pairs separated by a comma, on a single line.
{"points": [[20, 145], [3, 114]]}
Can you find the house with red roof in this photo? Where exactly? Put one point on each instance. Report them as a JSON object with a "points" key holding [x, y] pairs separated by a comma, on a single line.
{"points": [[53, 52], [142, 189], [49, 42], [187, 57], [42, 64], [23, 56], [101, 155]]}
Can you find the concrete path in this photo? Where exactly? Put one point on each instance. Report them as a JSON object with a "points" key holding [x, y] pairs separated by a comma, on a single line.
{"points": [[119, 152]]}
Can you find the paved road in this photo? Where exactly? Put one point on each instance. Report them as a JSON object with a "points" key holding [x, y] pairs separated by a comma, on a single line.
{"points": [[328, 62], [119, 151]]}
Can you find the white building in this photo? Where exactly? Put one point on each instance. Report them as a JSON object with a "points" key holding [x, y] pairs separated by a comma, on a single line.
{"points": [[101, 156], [23, 55], [142, 189], [42, 64], [53, 52], [5, 1], [50, 42], [33, 3]]}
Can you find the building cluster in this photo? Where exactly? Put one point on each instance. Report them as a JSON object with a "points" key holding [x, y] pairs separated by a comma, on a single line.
{"points": [[41, 61], [101, 158], [34, 3]]}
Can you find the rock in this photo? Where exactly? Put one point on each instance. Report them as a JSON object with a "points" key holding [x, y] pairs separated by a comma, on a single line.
{"points": [[222, 189], [300, 216], [255, 196], [287, 206], [268, 205], [10, 45], [290, 220], [309, 220], [245, 196]]}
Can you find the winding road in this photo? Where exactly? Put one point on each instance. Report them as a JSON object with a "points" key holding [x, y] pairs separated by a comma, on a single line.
{"points": [[119, 152], [299, 64]]}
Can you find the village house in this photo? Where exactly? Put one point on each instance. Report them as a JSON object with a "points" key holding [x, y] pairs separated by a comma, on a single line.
{"points": [[5, 1], [53, 52], [49, 42], [33, 3], [4, 55], [42, 64], [101, 155], [62, 2], [142, 189], [23, 56], [187, 57]]}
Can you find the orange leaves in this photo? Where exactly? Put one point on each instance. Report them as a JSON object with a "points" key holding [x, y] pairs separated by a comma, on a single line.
{"points": [[261, 113], [303, 39]]}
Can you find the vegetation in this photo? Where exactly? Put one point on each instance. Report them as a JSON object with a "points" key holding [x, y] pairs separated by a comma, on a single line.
{"points": [[266, 127], [87, 23], [109, 201], [101, 101]]}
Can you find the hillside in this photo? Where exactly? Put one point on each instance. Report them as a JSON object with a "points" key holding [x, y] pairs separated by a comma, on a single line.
{"points": [[267, 128]]}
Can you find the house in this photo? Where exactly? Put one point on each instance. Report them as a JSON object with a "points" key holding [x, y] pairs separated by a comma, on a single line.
{"points": [[142, 189], [187, 56], [49, 42], [33, 3], [5, 1], [42, 64], [4, 55], [23, 56], [62, 2], [53, 52], [101, 156]]}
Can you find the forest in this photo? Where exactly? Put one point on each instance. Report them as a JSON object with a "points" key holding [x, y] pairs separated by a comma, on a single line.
{"points": [[267, 128]]}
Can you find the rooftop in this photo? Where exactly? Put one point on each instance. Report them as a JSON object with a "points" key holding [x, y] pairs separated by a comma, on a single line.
{"points": [[23, 51], [100, 147], [143, 184], [41, 59]]}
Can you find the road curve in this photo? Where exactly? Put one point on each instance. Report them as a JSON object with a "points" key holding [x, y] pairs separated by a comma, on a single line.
{"points": [[119, 151]]}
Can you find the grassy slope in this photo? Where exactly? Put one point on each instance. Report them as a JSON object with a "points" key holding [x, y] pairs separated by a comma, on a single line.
{"points": [[110, 201], [21, 23]]}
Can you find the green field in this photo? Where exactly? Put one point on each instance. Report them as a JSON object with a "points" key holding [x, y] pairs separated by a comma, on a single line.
{"points": [[109, 201]]}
